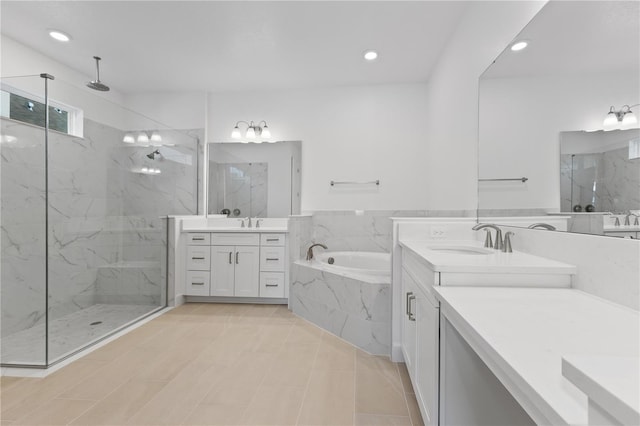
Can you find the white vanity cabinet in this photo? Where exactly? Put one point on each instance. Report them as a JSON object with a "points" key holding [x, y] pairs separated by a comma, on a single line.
{"points": [[234, 271], [420, 334], [236, 264]]}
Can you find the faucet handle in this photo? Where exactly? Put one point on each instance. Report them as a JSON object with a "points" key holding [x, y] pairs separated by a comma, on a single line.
{"points": [[257, 222], [507, 242], [487, 239], [499, 244], [617, 221]]}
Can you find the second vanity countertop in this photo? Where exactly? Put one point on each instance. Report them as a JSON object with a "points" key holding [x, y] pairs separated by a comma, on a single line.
{"points": [[522, 334], [271, 229], [496, 262]]}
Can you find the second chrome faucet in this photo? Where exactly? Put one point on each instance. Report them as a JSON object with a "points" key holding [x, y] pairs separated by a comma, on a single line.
{"points": [[500, 243]]}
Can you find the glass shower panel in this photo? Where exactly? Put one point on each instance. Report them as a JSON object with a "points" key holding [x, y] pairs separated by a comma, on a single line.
{"points": [[111, 186], [22, 213]]}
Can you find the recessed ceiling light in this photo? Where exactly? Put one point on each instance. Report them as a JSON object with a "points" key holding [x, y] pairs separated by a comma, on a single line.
{"points": [[370, 55], [519, 45], [59, 35]]}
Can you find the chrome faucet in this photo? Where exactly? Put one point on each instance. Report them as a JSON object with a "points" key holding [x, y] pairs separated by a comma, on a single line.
{"points": [[248, 221], [541, 225], [626, 219], [507, 242], [310, 250], [487, 242]]}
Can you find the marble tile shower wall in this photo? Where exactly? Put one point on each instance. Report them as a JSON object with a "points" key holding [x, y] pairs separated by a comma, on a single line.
{"points": [[616, 179], [105, 222], [620, 181], [370, 231]]}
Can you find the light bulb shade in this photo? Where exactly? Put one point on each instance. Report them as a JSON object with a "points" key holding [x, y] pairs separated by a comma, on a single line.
{"points": [[629, 119], [610, 121], [266, 133], [143, 138], [155, 137], [128, 138], [235, 134], [251, 133]]}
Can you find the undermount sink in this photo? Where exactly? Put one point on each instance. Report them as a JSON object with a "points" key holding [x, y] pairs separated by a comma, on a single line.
{"points": [[462, 250]]}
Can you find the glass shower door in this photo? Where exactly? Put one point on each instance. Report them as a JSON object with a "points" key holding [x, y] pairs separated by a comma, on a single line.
{"points": [[23, 206]]}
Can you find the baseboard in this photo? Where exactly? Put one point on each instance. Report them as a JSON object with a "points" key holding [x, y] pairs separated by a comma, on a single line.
{"points": [[396, 353], [218, 299]]}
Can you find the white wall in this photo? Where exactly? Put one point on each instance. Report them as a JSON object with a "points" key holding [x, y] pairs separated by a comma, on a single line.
{"points": [[174, 109], [520, 122], [353, 133], [451, 120], [16, 59]]}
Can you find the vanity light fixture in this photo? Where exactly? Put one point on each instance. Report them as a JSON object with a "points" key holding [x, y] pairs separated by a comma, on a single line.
{"points": [[143, 138], [620, 119], [253, 130], [59, 35], [519, 45], [128, 138], [370, 55]]}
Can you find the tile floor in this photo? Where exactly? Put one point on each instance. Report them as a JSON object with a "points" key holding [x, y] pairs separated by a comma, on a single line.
{"points": [[68, 333], [210, 364]]}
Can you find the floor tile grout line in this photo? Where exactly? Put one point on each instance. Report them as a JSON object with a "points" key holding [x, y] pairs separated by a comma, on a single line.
{"points": [[264, 377], [404, 394], [306, 389]]}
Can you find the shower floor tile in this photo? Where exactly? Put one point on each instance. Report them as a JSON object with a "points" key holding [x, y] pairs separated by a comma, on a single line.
{"points": [[68, 333]]}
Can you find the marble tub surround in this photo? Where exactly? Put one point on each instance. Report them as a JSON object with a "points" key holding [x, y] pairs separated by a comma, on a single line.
{"points": [[522, 334], [356, 310], [366, 230], [606, 267]]}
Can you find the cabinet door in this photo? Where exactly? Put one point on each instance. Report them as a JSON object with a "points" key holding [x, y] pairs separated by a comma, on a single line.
{"points": [[247, 265], [222, 270], [408, 323], [427, 353]]}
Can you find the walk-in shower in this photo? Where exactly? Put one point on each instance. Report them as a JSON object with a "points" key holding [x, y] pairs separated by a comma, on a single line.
{"points": [[84, 229]]}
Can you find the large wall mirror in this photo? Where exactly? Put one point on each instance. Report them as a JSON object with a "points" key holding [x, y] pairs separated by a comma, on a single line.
{"points": [[582, 58], [254, 179]]}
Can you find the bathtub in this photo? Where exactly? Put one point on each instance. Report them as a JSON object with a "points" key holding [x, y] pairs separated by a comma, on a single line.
{"points": [[355, 263], [350, 298]]}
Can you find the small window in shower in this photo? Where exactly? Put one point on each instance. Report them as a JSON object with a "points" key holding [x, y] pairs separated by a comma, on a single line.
{"points": [[21, 106]]}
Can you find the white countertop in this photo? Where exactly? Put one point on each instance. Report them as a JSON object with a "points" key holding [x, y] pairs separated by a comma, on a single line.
{"points": [[279, 229], [496, 262], [621, 228], [612, 382], [522, 334]]}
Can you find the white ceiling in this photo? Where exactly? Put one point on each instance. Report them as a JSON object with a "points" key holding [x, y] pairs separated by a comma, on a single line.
{"points": [[232, 46], [576, 37]]}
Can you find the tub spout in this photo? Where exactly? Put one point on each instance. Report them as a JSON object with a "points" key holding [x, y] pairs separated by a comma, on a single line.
{"points": [[310, 250]]}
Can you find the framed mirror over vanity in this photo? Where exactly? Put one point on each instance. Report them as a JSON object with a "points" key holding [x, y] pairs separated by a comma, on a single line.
{"points": [[541, 118], [254, 179]]}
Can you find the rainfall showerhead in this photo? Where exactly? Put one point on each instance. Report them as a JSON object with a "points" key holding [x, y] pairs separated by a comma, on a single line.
{"points": [[96, 84], [153, 154]]}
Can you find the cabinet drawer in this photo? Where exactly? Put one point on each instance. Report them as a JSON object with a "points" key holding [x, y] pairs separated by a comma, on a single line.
{"points": [[232, 239], [198, 258], [197, 283], [272, 284], [272, 239], [198, 238], [272, 259]]}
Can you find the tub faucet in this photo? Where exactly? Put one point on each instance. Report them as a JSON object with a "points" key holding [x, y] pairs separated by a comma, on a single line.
{"points": [[310, 250], [542, 225], [487, 242]]}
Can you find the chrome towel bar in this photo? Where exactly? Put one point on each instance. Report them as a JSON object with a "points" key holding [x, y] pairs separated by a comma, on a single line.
{"points": [[376, 182], [521, 179]]}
